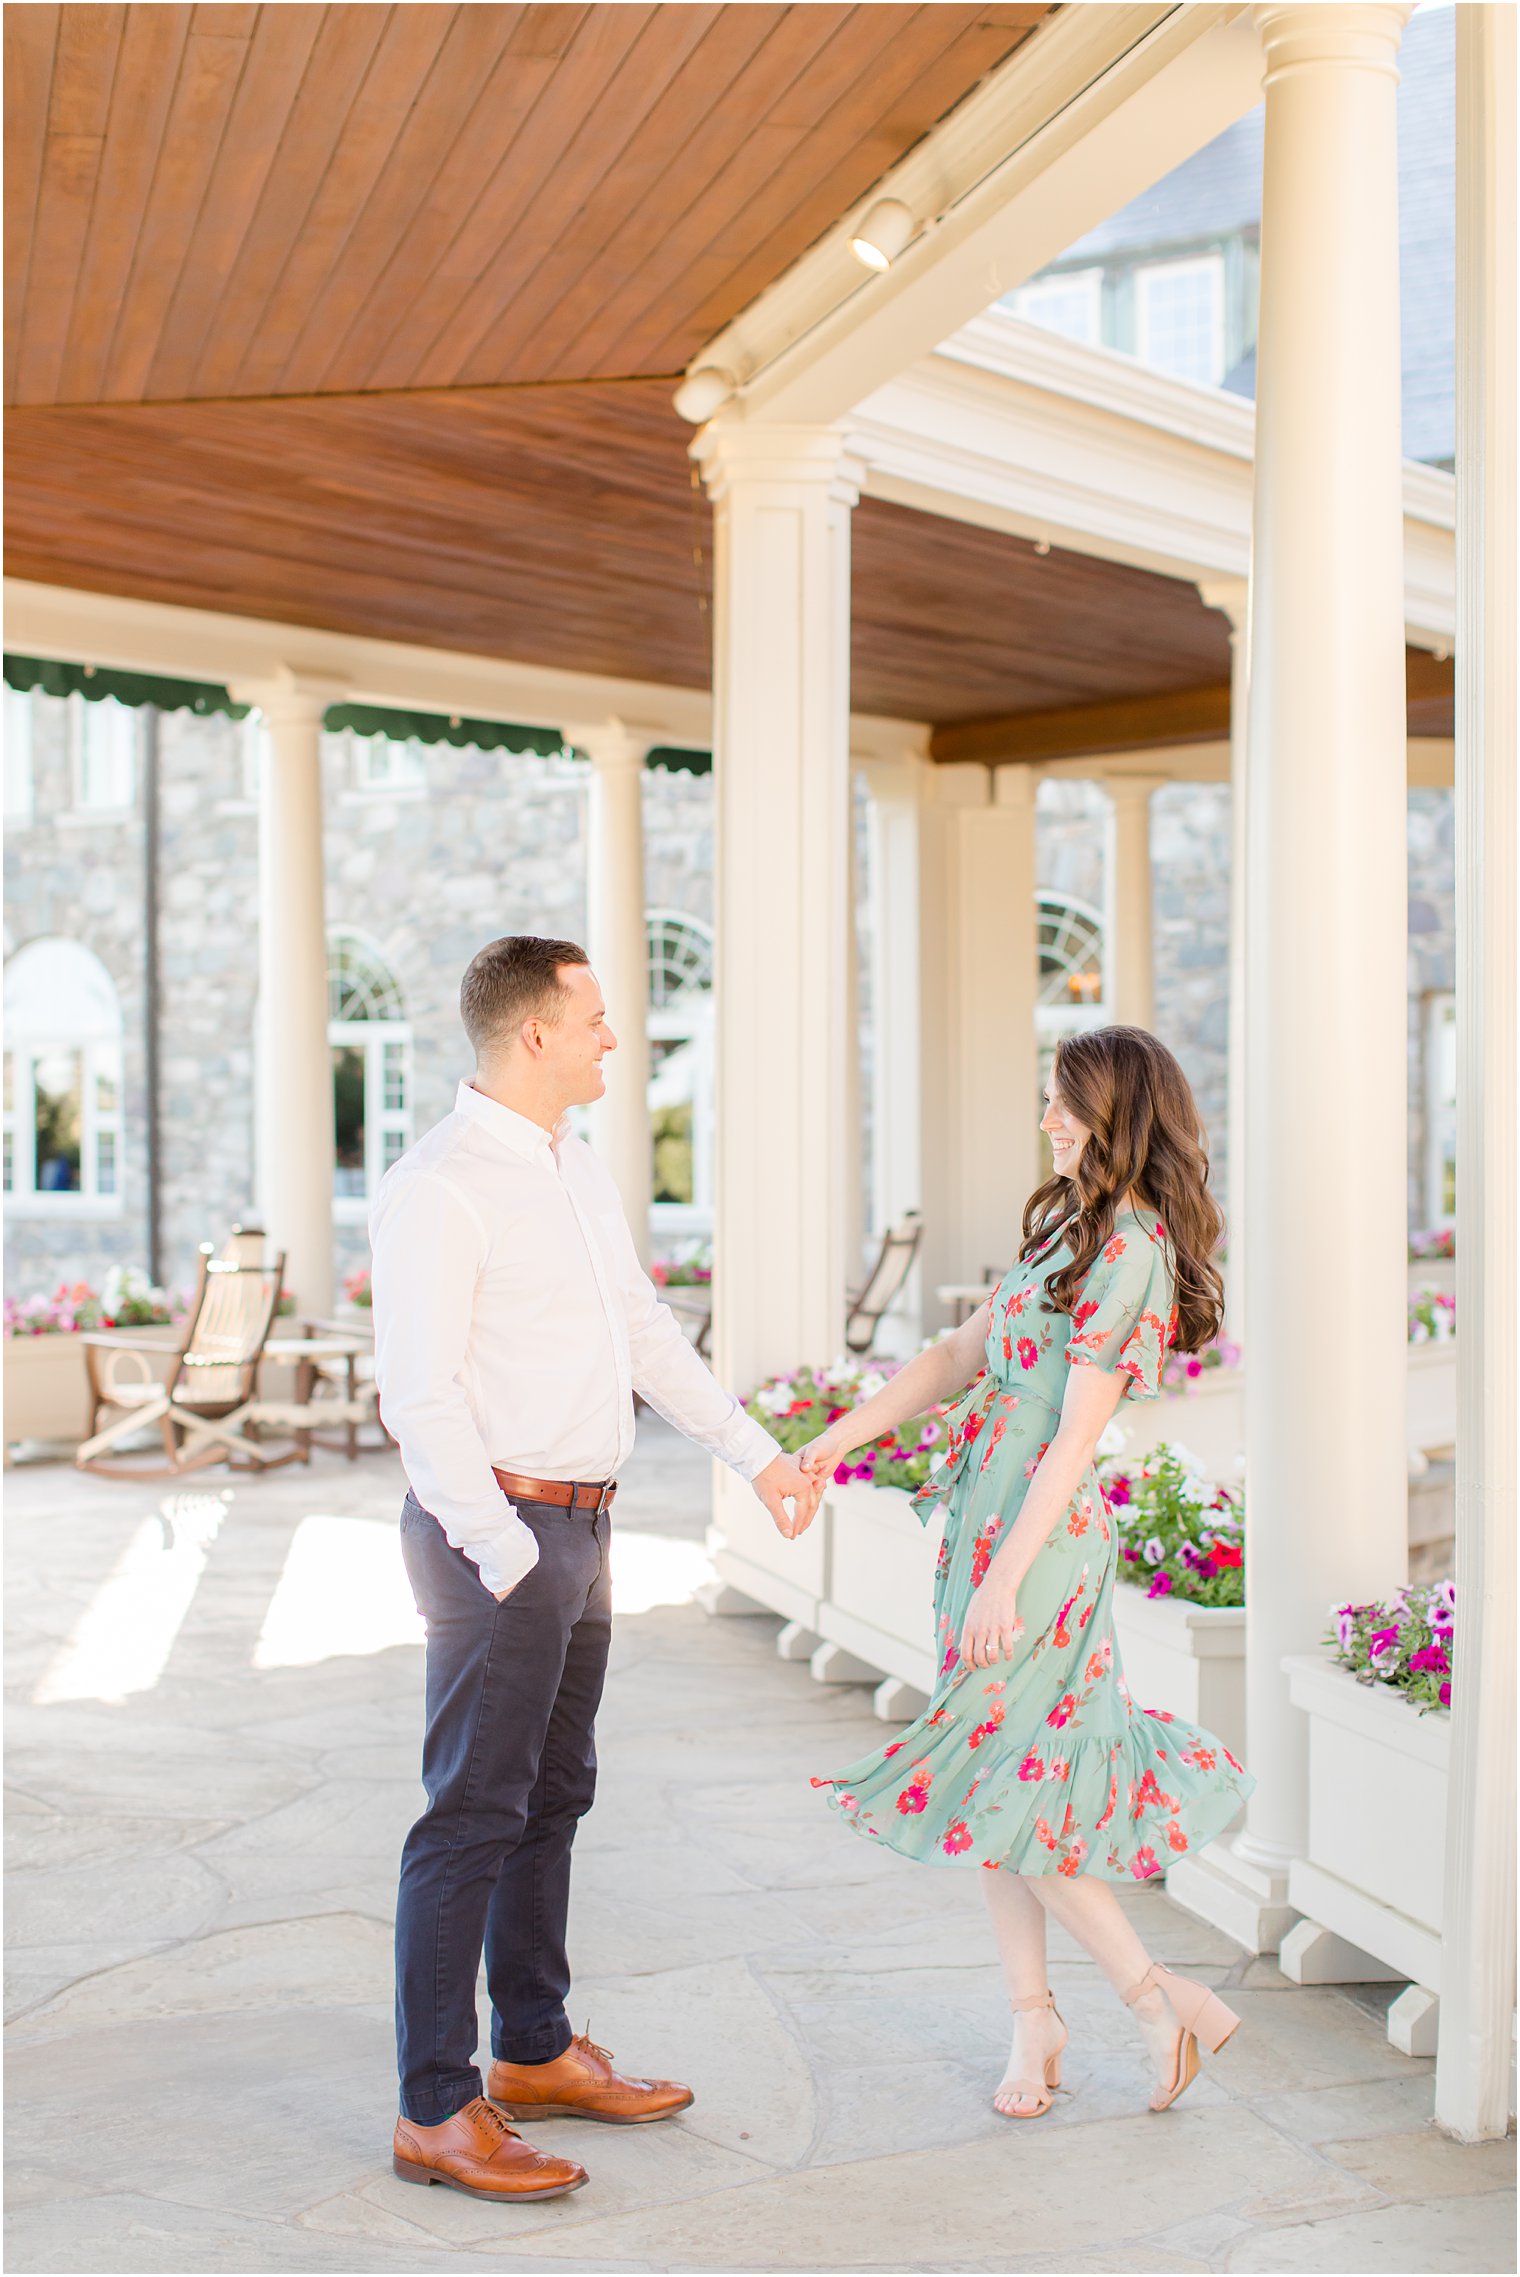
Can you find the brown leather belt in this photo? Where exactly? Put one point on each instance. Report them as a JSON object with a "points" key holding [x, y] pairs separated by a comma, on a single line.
{"points": [[565, 1494]]}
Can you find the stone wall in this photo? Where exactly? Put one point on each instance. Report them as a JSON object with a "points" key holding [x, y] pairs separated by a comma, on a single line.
{"points": [[494, 843]]}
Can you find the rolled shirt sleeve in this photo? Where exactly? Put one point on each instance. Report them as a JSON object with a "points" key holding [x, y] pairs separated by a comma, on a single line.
{"points": [[673, 1378], [428, 1248]]}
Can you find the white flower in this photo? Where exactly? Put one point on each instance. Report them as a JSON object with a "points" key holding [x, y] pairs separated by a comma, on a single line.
{"points": [[1114, 1440], [774, 1398], [870, 1385], [1188, 1460]]}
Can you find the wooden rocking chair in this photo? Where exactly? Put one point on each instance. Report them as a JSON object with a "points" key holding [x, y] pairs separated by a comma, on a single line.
{"points": [[210, 1389], [894, 1261]]}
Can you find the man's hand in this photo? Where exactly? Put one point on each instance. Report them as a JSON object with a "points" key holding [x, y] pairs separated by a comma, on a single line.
{"points": [[784, 1481], [992, 1626]]}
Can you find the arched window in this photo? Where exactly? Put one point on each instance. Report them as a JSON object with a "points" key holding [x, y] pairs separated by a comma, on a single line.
{"points": [[1071, 953], [62, 1082], [372, 1069], [680, 1069]]}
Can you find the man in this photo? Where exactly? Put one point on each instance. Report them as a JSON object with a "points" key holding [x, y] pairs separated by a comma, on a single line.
{"points": [[513, 1324]]}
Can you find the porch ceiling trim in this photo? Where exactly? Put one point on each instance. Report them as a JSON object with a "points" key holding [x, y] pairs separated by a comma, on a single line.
{"points": [[1097, 105], [1014, 429]]}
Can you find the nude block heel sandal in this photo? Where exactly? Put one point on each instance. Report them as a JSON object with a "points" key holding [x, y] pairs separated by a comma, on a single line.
{"points": [[1039, 2092], [1202, 2016]]}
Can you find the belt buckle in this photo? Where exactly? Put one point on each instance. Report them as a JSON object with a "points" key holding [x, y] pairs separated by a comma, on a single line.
{"points": [[604, 1497]]}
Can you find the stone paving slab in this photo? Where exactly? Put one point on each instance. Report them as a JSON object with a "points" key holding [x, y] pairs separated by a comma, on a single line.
{"points": [[202, 1859]]}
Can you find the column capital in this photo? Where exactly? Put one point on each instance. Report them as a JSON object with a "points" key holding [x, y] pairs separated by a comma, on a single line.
{"points": [[734, 457], [1231, 596], [1125, 783], [1015, 786], [290, 693], [1362, 34], [612, 743]]}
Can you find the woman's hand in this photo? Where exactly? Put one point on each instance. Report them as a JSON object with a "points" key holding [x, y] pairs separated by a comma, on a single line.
{"points": [[821, 1457], [992, 1624]]}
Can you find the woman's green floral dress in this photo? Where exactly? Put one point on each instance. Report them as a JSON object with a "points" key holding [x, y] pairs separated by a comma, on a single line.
{"points": [[1043, 1764]]}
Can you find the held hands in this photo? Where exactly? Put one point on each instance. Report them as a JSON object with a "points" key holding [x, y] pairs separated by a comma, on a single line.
{"points": [[783, 1482], [821, 1457], [992, 1626]]}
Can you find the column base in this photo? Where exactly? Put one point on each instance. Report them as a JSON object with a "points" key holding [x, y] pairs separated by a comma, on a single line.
{"points": [[1249, 1902]]}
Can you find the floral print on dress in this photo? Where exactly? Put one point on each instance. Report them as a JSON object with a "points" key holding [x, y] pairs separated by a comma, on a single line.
{"points": [[1045, 1765]]}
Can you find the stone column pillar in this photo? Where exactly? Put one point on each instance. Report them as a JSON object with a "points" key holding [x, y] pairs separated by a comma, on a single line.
{"points": [[781, 758], [293, 1095], [1477, 1943], [1131, 937], [617, 943], [1326, 1485], [978, 976], [1231, 595], [896, 792]]}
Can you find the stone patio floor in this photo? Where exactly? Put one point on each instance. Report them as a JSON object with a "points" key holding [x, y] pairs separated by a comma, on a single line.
{"points": [[214, 1701]]}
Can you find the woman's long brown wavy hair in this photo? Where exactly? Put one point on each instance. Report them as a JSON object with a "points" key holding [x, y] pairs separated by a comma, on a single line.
{"points": [[1147, 1140]]}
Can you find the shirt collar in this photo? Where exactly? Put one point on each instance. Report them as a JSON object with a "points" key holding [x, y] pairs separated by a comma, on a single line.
{"points": [[519, 1132]]}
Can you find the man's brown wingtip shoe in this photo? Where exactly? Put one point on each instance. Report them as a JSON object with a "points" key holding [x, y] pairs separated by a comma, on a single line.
{"points": [[584, 2084], [477, 2152]]}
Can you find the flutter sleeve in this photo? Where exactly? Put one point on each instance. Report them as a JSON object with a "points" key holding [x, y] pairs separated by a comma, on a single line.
{"points": [[1126, 1317]]}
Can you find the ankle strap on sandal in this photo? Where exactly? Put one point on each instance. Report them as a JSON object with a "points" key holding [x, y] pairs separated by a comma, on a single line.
{"points": [[1145, 1985], [1035, 2000]]}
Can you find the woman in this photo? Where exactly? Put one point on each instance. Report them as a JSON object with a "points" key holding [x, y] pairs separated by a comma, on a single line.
{"points": [[1031, 1758]]}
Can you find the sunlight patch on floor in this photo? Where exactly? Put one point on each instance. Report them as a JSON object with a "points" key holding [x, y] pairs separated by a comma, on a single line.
{"points": [[656, 1569], [343, 1592], [123, 1639]]}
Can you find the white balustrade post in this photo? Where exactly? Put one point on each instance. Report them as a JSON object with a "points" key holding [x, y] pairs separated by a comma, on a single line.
{"points": [[1326, 1486], [1231, 595], [979, 982], [617, 943], [1478, 1929], [781, 759], [293, 1085], [1131, 935]]}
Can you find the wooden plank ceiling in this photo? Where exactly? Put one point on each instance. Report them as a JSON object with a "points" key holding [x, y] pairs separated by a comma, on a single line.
{"points": [[368, 318]]}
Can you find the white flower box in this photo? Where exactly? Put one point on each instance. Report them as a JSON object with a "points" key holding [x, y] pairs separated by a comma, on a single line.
{"points": [[789, 1578], [1188, 1659], [1378, 1777], [880, 1603]]}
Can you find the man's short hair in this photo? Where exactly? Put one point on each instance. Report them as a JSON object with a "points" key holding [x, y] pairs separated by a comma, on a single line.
{"points": [[512, 980]]}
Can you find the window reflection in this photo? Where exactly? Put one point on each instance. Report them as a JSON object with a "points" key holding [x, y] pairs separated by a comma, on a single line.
{"points": [[57, 1116]]}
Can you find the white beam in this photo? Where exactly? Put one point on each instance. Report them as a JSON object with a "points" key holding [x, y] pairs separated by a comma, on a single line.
{"points": [[1098, 104], [1011, 428]]}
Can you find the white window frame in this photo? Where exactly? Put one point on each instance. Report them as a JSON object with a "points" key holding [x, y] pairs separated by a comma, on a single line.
{"points": [[84, 717], [385, 767], [1025, 300], [373, 1038], [1146, 275], [687, 1018], [99, 1061], [20, 781], [1440, 1102], [1053, 1021]]}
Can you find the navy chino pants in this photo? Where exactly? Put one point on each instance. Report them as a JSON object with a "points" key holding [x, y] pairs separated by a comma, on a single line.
{"points": [[509, 1766]]}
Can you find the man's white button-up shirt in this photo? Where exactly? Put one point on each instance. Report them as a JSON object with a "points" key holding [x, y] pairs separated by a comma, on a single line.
{"points": [[513, 1324]]}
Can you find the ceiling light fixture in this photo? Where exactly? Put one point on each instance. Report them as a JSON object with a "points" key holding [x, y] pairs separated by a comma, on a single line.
{"points": [[704, 392], [882, 235]]}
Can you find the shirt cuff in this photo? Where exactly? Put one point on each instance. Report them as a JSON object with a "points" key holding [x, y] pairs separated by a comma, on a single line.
{"points": [[507, 1558], [754, 1448]]}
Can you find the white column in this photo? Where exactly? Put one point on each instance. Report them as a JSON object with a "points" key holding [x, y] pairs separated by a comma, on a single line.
{"points": [[293, 1094], [1477, 1943], [617, 943], [1131, 935], [856, 1200], [1326, 1487], [781, 758], [978, 979], [1231, 595], [896, 791]]}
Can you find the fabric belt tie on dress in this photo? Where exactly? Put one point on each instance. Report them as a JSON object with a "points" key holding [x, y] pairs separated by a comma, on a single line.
{"points": [[566, 1494]]}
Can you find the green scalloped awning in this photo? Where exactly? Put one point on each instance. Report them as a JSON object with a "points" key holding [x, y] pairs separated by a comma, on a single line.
{"points": [[206, 699], [95, 682]]}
